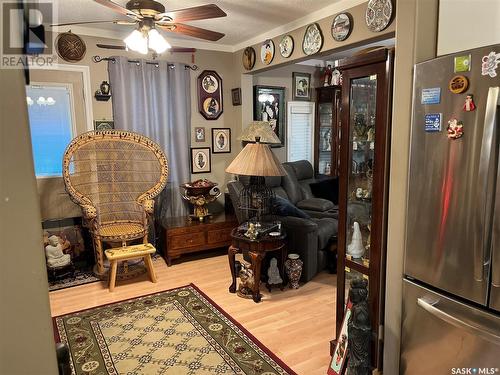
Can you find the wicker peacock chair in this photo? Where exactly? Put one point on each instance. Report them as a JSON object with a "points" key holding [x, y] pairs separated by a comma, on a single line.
{"points": [[114, 176]]}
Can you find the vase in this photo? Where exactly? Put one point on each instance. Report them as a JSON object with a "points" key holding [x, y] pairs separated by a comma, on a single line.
{"points": [[293, 267], [198, 194]]}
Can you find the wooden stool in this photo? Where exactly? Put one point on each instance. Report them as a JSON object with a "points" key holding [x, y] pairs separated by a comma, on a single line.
{"points": [[128, 253]]}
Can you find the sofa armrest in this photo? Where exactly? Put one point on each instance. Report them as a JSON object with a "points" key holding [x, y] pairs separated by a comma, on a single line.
{"points": [[315, 204]]}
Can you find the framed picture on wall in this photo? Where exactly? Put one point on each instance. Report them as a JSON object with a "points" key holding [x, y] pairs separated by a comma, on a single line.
{"points": [[210, 102], [221, 140], [104, 124], [200, 160], [301, 86], [269, 105], [199, 134], [236, 96]]}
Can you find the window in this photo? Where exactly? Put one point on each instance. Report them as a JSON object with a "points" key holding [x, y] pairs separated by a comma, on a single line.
{"points": [[51, 123], [300, 131]]}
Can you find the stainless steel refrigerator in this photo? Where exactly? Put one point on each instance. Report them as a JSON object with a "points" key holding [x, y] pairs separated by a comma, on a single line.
{"points": [[451, 287]]}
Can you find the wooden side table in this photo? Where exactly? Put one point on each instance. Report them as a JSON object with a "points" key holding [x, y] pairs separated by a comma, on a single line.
{"points": [[257, 250], [183, 236]]}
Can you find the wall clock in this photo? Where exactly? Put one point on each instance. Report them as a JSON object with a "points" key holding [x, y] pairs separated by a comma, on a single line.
{"points": [[267, 52], [378, 14], [210, 94], [248, 58], [341, 26], [313, 39], [286, 46]]}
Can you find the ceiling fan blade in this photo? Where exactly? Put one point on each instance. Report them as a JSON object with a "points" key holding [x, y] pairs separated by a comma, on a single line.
{"points": [[194, 31], [195, 13], [118, 22], [118, 8]]}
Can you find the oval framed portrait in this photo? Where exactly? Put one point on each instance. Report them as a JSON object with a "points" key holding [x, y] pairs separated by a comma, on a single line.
{"points": [[342, 26], [211, 106], [267, 52], [210, 84], [200, 160], [313, 39], [221, 140], [248, 58], [286, 46]]}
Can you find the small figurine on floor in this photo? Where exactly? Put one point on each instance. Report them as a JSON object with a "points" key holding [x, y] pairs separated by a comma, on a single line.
{"points": [[273, 275], [245, 273], [55, 255], [359, 330]]}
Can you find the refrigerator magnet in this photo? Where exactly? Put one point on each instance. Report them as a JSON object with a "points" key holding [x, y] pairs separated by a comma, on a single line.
{"points": [[433, 122], [469, 105], [455, 129], [462, 63], [458, 84], [431, 96], [490, 64]]}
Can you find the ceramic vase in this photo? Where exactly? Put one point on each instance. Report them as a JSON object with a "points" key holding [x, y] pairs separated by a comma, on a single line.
{"points": [[293, 267]]}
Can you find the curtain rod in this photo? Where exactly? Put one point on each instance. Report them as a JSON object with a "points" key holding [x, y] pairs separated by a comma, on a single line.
{"points": [[98, 59]]}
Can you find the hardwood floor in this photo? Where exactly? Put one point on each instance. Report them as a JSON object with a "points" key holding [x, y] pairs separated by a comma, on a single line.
{"points": [[296, 325]]}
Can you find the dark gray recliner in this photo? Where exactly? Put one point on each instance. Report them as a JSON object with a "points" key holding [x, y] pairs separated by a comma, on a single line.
{"points": [[297, 185], [310, 238]]}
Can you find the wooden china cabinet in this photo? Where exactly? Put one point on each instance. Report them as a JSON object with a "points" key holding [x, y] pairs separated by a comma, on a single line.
{"points": [[363, 189], [326, 132]]}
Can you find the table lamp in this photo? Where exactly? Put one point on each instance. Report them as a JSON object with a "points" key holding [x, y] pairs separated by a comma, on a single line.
{"points": [[260, 129], [257, 161]]}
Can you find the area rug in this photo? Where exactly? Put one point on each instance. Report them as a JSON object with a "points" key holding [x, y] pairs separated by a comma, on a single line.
{"points": [[80, 277], [180, 331]]}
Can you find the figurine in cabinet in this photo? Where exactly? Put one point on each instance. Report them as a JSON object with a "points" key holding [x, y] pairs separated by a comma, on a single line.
{"points": [[356, 248]]}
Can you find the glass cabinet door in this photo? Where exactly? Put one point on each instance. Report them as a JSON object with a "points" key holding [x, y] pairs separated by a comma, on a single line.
{"points": [[360, 178], [325, 145]]}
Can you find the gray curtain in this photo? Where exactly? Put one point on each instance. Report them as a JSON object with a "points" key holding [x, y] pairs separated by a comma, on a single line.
{"points": [[155, 100]]}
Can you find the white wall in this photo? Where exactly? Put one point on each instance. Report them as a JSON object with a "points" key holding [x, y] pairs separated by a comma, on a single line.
{"points": [[466, 24]]}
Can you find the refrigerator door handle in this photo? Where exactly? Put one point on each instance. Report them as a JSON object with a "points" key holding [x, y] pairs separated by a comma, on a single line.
{"points": [[483, 211], [431, 306]]}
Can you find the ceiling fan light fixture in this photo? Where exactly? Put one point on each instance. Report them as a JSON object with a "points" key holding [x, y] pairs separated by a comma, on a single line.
{"points": [[157, 42], [137, 42]]}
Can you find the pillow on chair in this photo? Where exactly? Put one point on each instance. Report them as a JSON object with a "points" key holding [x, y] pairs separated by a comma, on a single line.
{"points": [[283, 207]]}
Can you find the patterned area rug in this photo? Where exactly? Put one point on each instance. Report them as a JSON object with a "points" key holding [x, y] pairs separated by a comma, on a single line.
{"points": [[180, 331], [80, 277]]}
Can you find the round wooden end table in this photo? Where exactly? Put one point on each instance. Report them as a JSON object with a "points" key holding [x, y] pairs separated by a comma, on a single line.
{"points": [[257, 250]]}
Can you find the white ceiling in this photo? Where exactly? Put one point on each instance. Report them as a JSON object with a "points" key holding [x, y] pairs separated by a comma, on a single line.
{"points": [[246, 19]]}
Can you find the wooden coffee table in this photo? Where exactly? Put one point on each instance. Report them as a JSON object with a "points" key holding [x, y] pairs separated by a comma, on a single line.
{"points": [[183, 236], [257, 250]]}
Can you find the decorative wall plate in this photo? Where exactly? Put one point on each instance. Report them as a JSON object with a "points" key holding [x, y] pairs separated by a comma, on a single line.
{"points": [[286, 46], [313, 39], [70, 47], [342, 26], [248, 58], [267, 52], [378, 14]]}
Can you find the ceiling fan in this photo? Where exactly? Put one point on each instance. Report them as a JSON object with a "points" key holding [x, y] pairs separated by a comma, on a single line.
{"points": [[148, 15]]}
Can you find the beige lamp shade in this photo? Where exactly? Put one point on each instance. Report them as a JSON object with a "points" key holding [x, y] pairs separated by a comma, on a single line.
{"points": [[256, 159], [260, 129]]}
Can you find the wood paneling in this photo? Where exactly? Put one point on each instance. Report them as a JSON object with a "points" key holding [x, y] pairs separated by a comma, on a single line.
{"points": [[296, 325]]}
